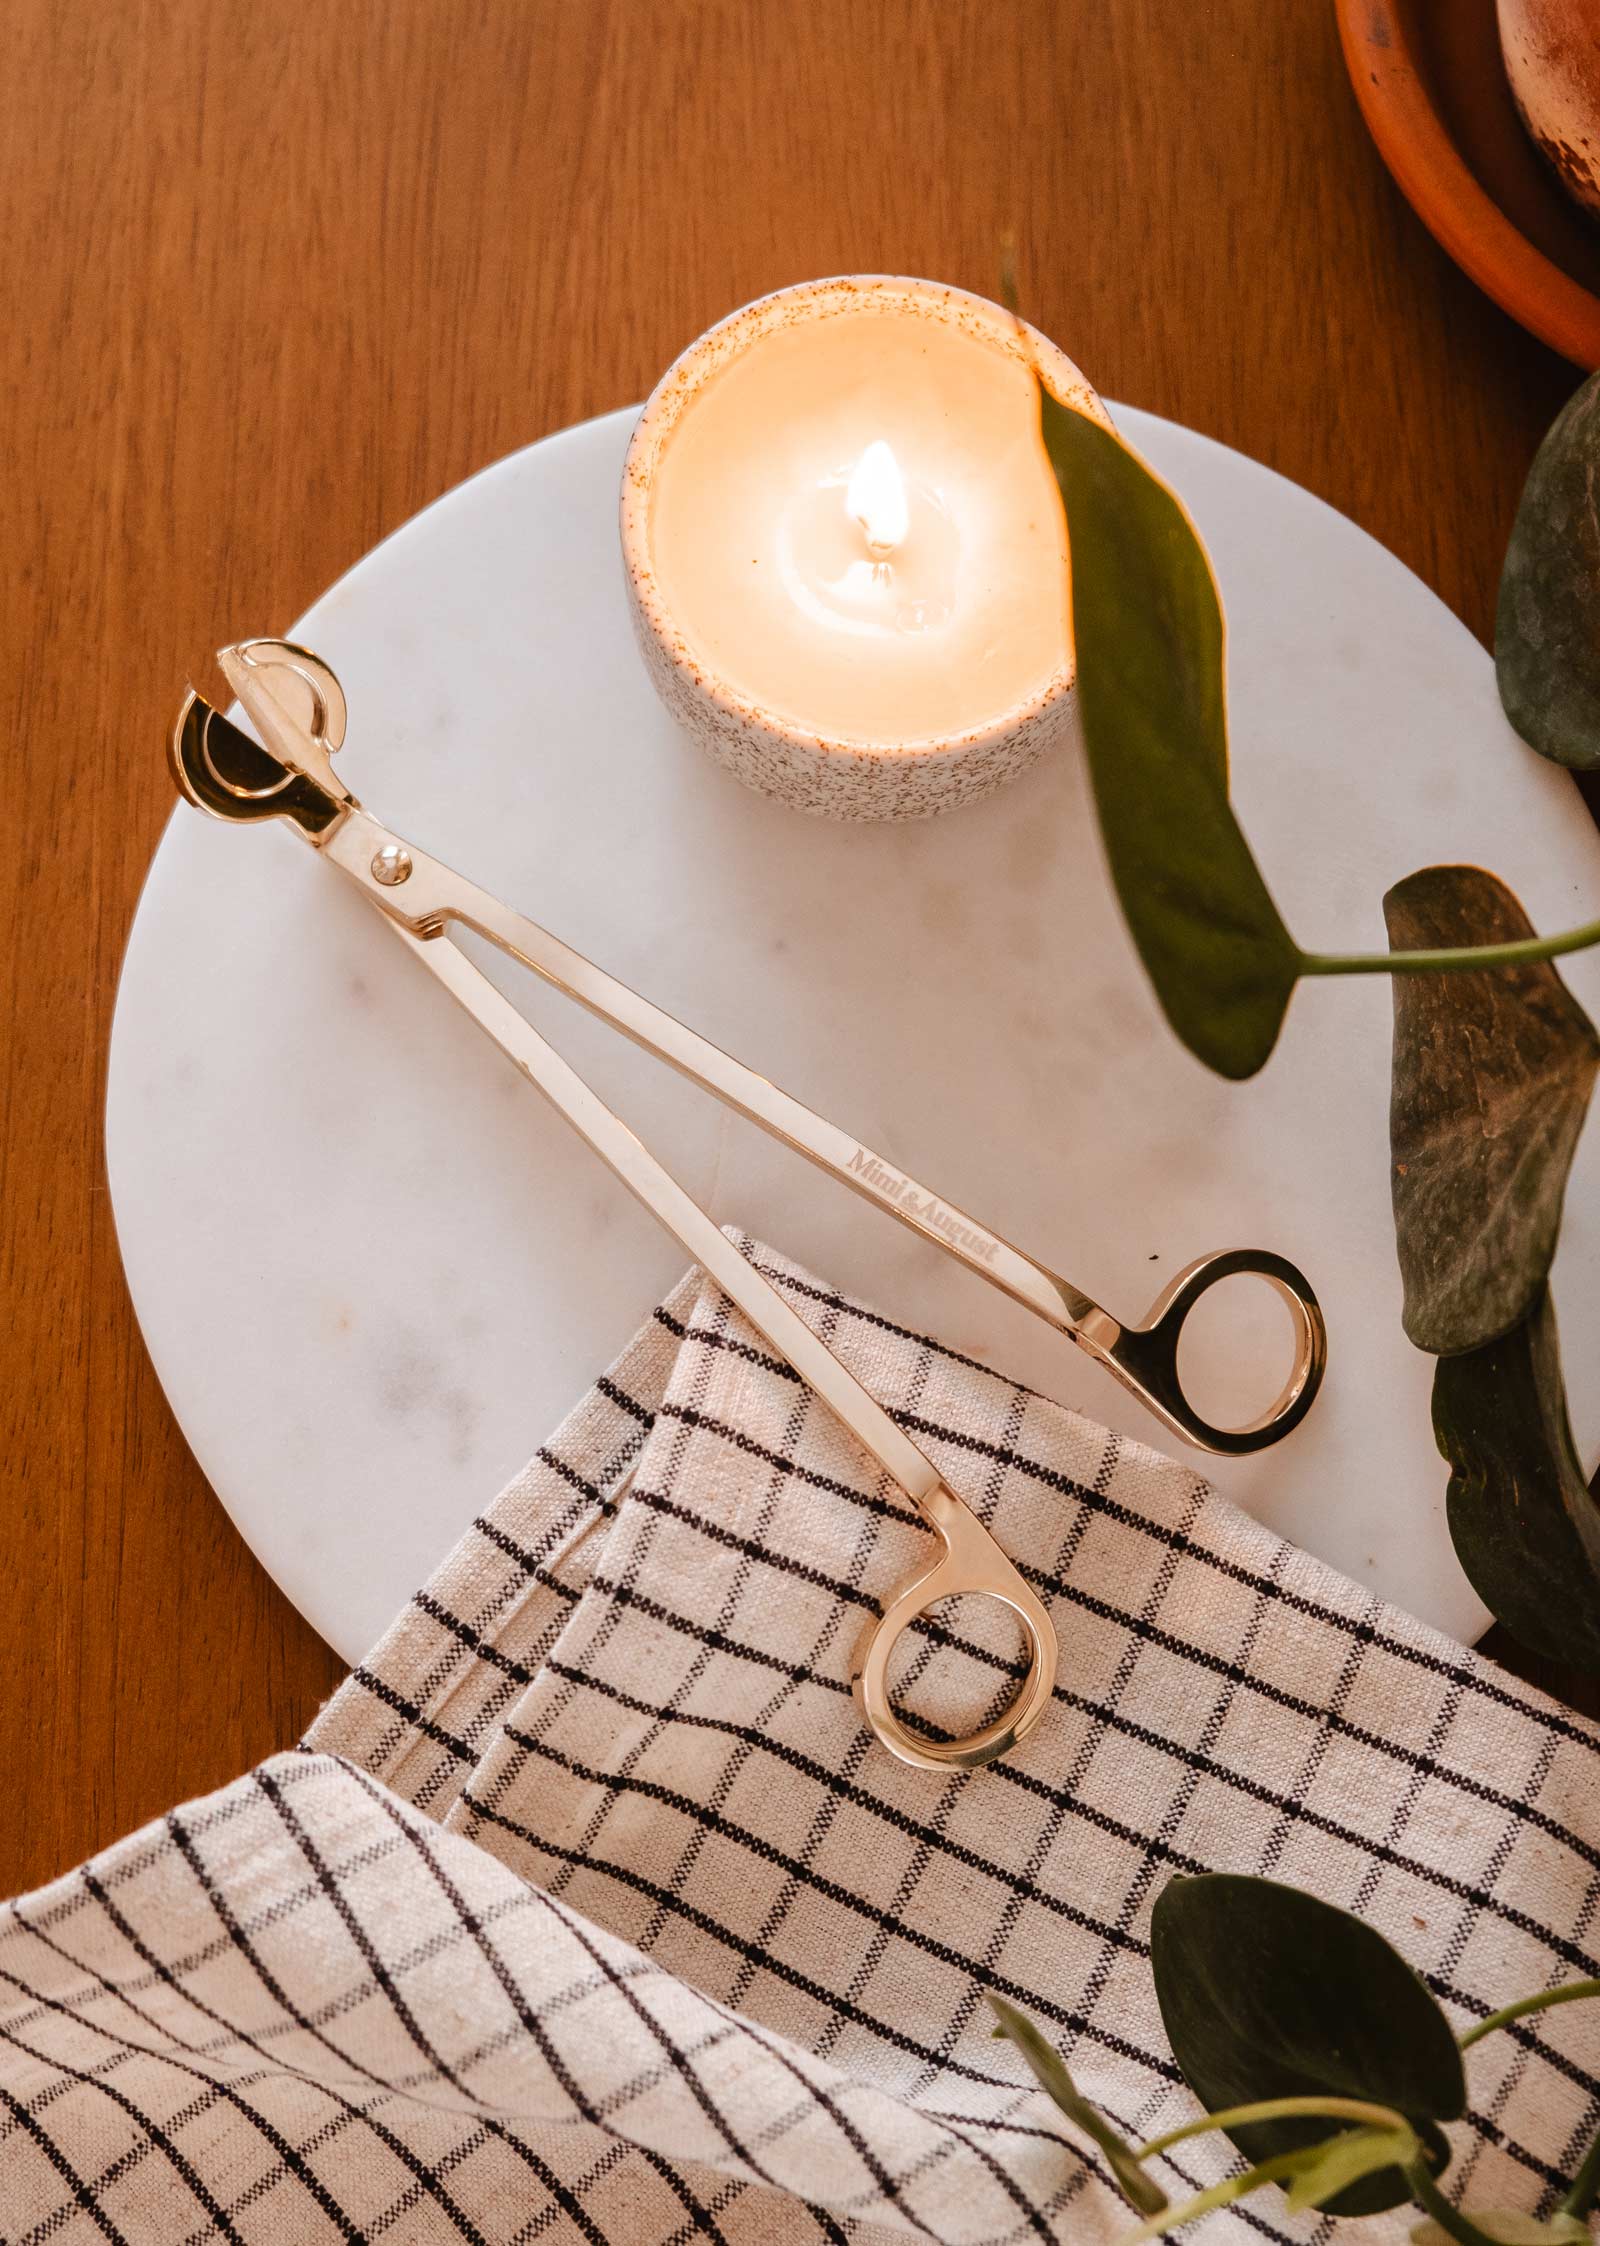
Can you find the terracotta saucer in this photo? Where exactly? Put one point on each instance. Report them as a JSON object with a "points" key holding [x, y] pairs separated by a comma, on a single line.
{"points": [[1431, 85]]}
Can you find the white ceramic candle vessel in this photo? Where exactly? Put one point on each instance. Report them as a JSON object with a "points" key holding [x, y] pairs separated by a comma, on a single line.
{"points": [[845, 549]]}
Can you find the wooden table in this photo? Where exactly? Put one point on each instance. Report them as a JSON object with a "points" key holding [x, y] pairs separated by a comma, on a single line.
{"points": [[277, 275]]}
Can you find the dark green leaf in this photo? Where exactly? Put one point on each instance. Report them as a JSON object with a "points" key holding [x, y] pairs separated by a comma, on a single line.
{"points": [[1547, 631], [1266, 1992], [1525, 1527], [1147, 624], [1050, 2072], [1491, 1081]]}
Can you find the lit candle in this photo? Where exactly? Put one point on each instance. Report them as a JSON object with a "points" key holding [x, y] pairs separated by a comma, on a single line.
{"points": [[845, 549]]}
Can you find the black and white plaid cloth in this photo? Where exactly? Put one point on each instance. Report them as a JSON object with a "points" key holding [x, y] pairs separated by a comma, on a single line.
{"points": [[588, 1910]]}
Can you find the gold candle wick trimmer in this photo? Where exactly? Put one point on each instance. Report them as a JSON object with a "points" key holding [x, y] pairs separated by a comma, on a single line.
{"points": [[298, 707]]}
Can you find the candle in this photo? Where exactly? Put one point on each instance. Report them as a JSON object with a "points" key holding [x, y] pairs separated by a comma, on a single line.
{"points": [[845, 549]]}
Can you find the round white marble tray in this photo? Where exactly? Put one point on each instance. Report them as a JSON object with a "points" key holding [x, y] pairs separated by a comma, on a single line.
{"points": [[373, 1270]]}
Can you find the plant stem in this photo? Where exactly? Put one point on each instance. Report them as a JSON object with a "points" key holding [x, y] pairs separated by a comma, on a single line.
{"points": [[1456, 959], [1569, 1992], [1277, 2109], [1580, 2194], [1432, 2201], [1223, 2194]]}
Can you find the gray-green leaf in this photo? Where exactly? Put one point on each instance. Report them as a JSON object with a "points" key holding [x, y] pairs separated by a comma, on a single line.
{"points": [[1547, 630], [1524, 1525], [1138, 2188], [1265, 1992], [1147, 624], [1492, 1073]]}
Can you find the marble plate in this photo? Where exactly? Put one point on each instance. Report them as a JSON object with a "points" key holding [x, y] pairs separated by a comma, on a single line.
{"points": [[373, 1270]]}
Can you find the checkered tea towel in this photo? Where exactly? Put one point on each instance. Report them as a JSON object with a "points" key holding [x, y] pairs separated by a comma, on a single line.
{"points": [[589, 1911]]}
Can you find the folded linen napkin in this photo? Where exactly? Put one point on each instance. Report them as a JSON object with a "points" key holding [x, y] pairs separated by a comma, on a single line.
{"points": [[588, 1909]]}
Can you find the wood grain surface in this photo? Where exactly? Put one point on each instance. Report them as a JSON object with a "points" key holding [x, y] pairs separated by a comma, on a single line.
{"points": [[276, 275]]}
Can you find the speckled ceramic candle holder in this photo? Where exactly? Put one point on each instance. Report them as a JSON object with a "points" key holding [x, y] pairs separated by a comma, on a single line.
{"points": [[834, 778]]}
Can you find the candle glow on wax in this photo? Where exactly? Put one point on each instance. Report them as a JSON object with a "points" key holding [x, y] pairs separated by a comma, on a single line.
{"points": [[848, 555], [844, 539]]}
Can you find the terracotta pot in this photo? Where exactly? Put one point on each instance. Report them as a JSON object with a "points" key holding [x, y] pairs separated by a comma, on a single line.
{"points": [[1552, 54]]}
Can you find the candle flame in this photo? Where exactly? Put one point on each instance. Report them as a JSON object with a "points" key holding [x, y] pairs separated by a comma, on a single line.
{"points": [[876, 499]]}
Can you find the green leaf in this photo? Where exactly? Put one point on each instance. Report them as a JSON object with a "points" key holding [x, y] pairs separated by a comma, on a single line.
{"points": [[1345, 2160], [1492, 1073], [1147, 625], [1265, 1992], [1222, 2194], [1311, 2176], [1547, 630], [1050, 2071], [1510, 2227], [1525, 1527]]}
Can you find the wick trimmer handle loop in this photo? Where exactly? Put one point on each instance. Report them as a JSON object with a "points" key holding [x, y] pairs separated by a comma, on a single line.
{"points": [[1145, 1358], [971, 1566]]}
